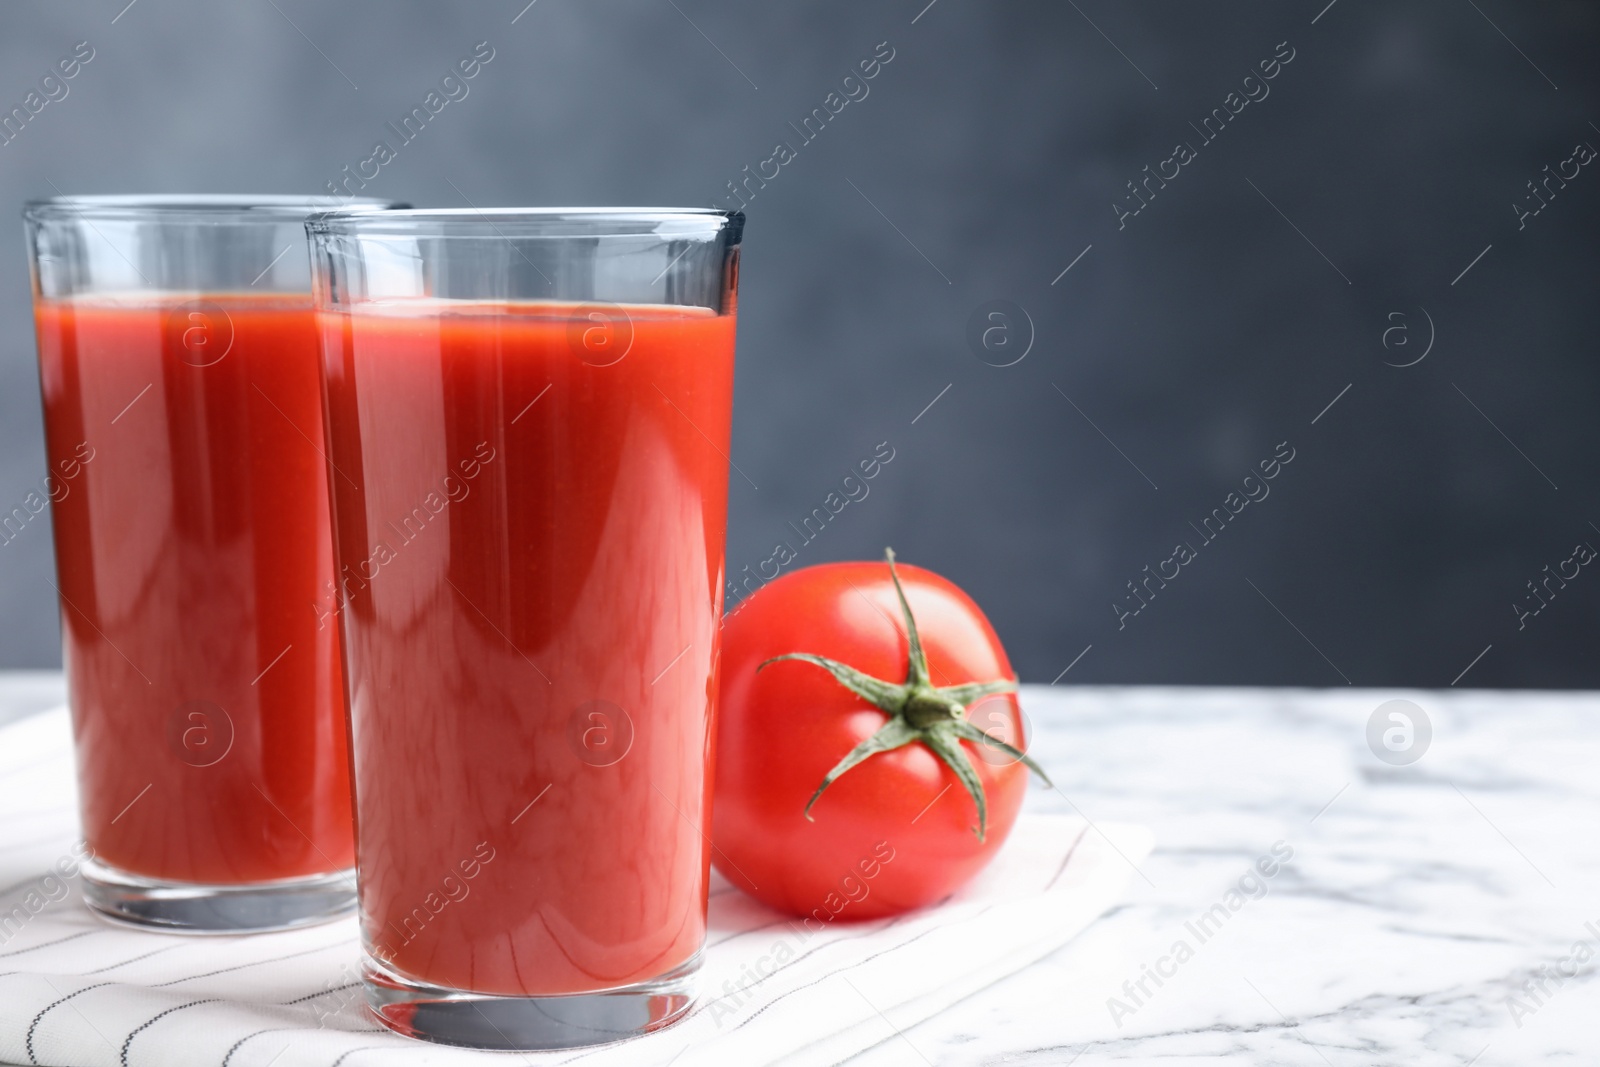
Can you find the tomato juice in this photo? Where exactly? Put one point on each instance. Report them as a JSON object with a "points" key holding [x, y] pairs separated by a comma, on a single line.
{"points": [[529, 506], [191, 545]]}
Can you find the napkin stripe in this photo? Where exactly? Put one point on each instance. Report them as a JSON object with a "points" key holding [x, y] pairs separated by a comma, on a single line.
{"points": [[1065, 861], [837, 970], [237, 1044], [749, 930], [322, 993], [47, 944], [126, 1045], [28, 1043], [136, 959], [246, 966], [1051, 884], [705, 1005]]}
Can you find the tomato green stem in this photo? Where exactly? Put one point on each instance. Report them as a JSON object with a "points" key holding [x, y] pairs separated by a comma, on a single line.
{"points": [[918, 711]]}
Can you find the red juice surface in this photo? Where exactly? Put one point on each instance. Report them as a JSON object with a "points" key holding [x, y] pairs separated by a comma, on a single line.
{"points": [[531, 553], [191, 528]]}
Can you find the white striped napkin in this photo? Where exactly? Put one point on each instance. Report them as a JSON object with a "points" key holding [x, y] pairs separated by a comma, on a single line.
{"points": [[77, 991]]}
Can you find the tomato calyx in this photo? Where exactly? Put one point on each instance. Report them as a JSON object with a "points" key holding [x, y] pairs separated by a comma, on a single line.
{"points": [[918, 711]]}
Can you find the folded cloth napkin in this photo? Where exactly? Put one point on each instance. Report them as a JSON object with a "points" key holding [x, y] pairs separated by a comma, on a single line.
{"points": [[79, 991]]}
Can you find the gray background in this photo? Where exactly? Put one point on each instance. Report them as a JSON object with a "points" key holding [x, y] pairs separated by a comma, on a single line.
{"points": [[1217, 323]]}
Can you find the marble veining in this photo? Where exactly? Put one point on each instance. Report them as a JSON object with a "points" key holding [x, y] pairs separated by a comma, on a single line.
{"points": [[1446, 912]]}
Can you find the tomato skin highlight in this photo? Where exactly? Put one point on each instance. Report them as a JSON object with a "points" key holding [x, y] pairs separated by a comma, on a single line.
{"points": [[895, 832]]}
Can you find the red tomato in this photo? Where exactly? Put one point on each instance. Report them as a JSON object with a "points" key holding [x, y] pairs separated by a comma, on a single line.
{"points": [[899, 829]]}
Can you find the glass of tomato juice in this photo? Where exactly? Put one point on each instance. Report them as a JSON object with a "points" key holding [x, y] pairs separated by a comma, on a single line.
{"points": [[528, 414], [178, 364]]}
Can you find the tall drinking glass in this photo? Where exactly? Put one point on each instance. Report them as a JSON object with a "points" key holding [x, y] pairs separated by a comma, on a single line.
{"points": [[528, 421], [179, 362]]}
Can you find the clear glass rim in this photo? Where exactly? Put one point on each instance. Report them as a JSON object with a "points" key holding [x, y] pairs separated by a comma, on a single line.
{"points": [[203, 207], [527, 221]]}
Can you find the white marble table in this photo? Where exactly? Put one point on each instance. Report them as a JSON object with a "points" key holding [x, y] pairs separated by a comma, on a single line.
{"points": [[1420, 905], [1424, 916]]}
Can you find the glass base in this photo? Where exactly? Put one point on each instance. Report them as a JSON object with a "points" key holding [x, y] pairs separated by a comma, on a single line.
{"points": [[192, 908], [525, 1024]]}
